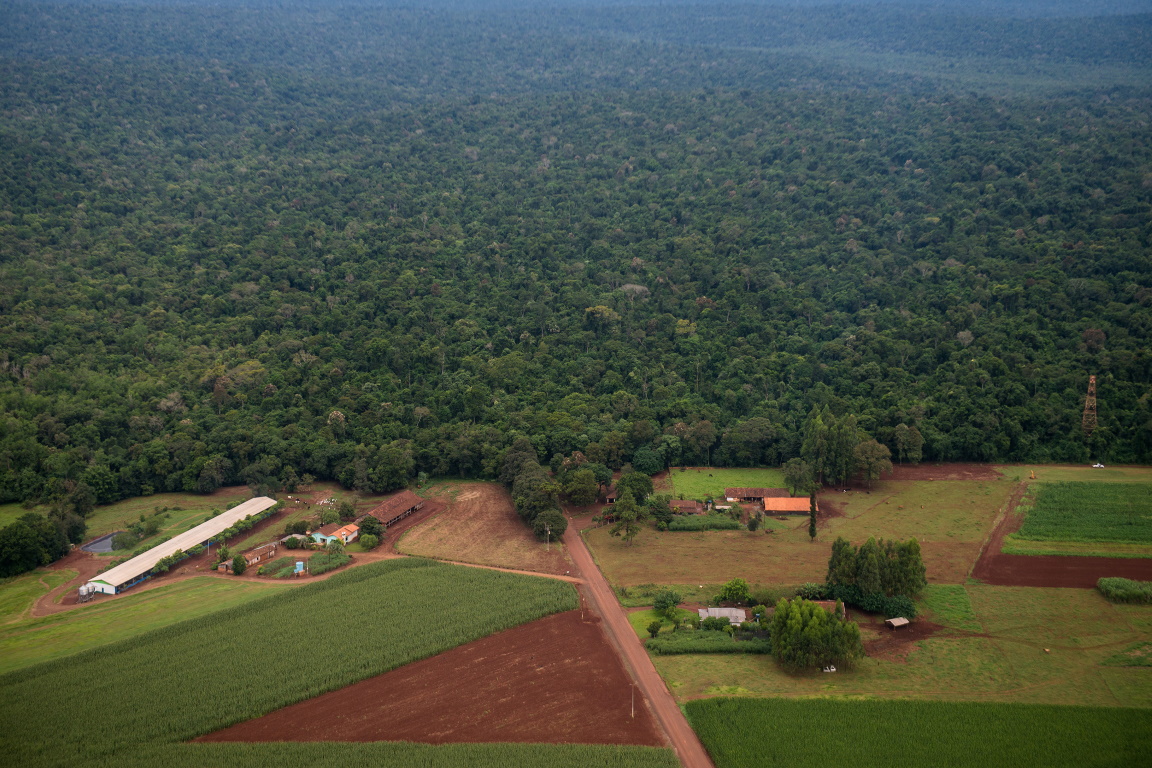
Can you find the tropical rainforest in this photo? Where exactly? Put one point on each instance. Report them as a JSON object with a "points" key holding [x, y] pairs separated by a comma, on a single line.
{"points": [[257, 242]]}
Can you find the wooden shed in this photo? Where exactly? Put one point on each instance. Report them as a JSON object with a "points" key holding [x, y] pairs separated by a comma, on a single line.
{"points": [[897, 622]]}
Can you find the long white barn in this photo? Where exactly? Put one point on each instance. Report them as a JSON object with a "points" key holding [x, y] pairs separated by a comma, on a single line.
{"points": [[137, 569]]}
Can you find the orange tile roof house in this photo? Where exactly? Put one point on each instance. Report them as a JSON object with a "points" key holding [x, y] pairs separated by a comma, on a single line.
{"points": [[788, 506], [396, 508]]}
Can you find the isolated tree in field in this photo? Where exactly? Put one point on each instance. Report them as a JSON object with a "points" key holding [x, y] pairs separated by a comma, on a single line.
{"points": [[370, 526], [625, 510], [239, 565], [637, 483], [369, 541], [654, 628], [581, 487], [812, 516], [805, 635], [798, 477], [872, 460], [666, 603], [550, 525], [735, 591]]}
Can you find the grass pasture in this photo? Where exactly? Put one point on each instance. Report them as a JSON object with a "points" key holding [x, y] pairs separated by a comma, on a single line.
{"points": [[151, 686], [951, 519], [1089, 512], [18, 593], [193, 509], [744, 733], [709, 482]]}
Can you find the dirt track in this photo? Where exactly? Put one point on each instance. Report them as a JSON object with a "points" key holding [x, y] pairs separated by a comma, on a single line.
{"points": [[684, 740], [1073, 571], [556, 680]]}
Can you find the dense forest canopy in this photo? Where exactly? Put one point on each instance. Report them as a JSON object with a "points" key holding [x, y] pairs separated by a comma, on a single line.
{"points": [[253, 242]]}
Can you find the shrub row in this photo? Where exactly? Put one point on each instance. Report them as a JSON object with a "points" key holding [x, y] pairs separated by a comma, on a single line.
{"points": [[705, 641], [322, 562], [1120, 590], [703, 523]]}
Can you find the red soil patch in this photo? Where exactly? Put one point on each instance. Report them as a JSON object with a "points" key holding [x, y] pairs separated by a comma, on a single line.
{"points": [[896, 644], [1074, 571], [556, 680], [943, 472]]}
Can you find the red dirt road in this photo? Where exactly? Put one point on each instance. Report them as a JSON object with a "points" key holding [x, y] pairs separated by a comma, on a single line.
{"points": [[1074, 571], [688, 747], [556, 680]]}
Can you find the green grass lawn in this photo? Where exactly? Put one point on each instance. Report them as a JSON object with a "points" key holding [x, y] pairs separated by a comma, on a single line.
{"points": [[941, 510], [106, 620], [18, 593], [10, 513], [193, 509], [994, 651], [705, 482], [742, 733], [1049, 473]]}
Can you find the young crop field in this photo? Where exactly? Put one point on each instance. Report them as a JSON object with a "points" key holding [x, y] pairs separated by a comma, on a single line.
{"points": [[749, 733], [357, 624], [1089, 512], [993, 649], [31, 641], [1048, 473], [710, 482]]}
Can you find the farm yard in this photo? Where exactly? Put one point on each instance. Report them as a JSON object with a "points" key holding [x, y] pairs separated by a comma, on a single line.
{"points": [[145, 680], [984, 643], [480, 526], [748, 733]]}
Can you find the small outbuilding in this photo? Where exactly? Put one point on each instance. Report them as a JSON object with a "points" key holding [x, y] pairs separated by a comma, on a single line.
{"points": [[686, 506], [735, 616], [897, 622], [754, 494], [787, 506]]}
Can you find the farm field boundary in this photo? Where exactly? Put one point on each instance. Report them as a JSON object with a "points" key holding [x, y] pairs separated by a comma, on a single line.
{"points": [[748, 733], [265, 655]]}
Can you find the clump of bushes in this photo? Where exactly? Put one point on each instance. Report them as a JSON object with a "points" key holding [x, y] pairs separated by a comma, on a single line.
{"points": [[706, 641], [703, 523], [1120, 590], [322, 562]]}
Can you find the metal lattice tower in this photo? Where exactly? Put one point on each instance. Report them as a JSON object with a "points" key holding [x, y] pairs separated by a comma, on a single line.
{"points": [[1089, 422]]}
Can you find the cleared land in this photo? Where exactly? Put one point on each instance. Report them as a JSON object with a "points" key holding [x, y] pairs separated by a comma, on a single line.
{"points": [[982, 643], [951, 517], [263, 656], [710, 482], [553, 680], [479, 525], [18, 593], [743, 733]]}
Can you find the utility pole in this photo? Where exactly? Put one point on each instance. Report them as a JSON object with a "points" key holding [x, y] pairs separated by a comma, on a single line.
{"points": [[1089, 420]]}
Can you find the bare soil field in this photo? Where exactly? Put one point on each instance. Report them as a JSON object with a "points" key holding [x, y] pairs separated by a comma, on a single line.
{"points": [[1003, 570], [480, 526], [556, 680], [956, 471]]}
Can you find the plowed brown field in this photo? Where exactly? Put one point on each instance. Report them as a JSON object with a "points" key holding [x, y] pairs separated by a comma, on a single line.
{"points": [[556, 680], [480, 526]]}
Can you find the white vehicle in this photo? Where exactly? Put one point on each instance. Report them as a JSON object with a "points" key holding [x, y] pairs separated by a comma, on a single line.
{"points": [[1098, 465]]}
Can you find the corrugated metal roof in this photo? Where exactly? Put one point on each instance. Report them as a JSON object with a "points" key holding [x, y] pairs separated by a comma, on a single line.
{"points": [[143, 563]]}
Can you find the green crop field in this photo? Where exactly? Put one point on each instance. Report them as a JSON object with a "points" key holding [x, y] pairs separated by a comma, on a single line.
{"points": [[31, 641], [1089, 512], [750, 733], [710, 482], [266, 654]]}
